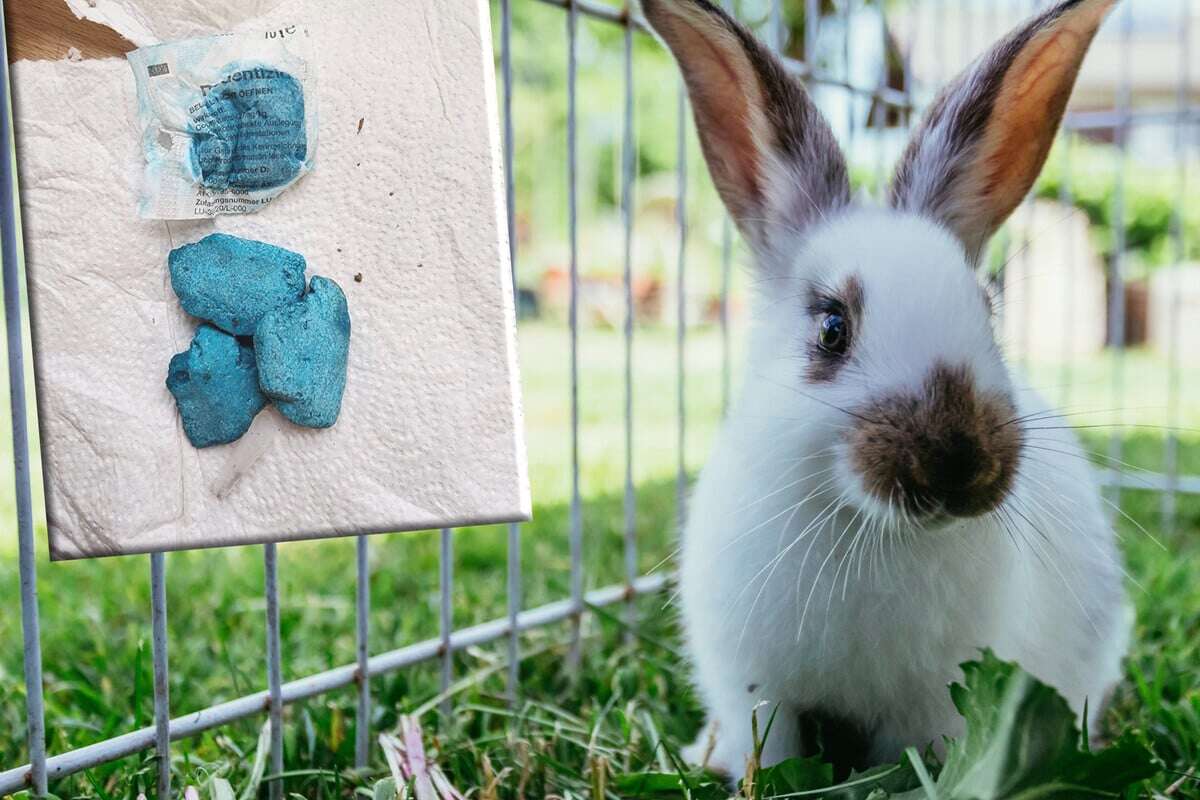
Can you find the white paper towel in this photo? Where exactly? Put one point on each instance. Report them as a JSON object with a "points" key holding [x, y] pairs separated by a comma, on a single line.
{"points": [[430, 432]]}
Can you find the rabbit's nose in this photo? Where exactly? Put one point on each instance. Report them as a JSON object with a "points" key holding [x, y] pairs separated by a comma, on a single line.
{"points": [[955, 464], [956, 473], [944, 449]]}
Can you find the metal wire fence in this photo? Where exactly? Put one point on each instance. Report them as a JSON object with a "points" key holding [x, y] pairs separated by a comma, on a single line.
{"points": [[927, 27]]}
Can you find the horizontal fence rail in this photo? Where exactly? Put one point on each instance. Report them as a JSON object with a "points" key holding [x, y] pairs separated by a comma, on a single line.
{"points": [[1117, 122]]}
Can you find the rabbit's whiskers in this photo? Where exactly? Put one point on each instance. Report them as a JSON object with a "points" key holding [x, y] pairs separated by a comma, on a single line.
{"points": [[1045, 500], [820, 570], [771, 566]]}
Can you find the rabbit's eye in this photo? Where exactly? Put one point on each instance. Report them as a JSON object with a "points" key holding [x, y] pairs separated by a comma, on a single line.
{"points": [[834, 334]]}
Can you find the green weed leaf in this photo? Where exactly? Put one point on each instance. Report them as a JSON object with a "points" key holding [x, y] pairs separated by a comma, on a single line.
{"points": [[795, 775], [670, 785], [1023, 743]]}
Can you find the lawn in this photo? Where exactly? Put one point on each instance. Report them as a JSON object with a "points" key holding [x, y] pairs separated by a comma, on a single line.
{"points": [[573, 732]]}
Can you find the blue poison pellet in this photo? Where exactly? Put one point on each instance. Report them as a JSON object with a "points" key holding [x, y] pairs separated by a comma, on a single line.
{"points": [[215, 385], [302, 351], [251, 134], [233, 282]]}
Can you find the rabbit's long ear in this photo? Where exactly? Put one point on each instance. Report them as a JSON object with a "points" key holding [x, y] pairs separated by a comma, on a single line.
{"points": [[772, 156], [986, 137]]}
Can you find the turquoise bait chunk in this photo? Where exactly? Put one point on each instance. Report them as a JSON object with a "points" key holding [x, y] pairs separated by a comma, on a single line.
{"points": [[215, 385], [302, 352], [233, 282]]}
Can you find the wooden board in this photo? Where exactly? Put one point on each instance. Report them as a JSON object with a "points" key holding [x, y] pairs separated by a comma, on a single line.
{"points": [[46, 29]]}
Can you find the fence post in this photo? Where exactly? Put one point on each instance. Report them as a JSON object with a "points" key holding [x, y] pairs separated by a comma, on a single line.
{"points": [[681, 222], [27, 561], [1175, 313], [514, 529], [362, 614], [274, 680], [628, 178], [162, 697], [576, 533], [446, 589], [1116, 300]]}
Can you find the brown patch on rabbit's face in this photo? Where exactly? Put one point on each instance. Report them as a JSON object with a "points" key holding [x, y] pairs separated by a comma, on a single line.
{"points": [[945, 449]]}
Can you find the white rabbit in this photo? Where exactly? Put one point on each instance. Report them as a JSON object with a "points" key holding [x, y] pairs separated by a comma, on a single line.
{"points": [[884, 499]]}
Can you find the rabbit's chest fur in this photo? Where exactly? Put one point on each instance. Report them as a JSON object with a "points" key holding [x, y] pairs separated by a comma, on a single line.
{"points": [[834, 618]]}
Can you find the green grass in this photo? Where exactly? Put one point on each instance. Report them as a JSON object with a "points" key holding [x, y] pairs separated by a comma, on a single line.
{"points": [[574, 731]]}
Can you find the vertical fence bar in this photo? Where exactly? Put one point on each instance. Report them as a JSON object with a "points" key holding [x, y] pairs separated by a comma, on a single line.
{"points": [[573, 322], [1116, 299], [628, 176], [812, 21], [1175, 311], [681, 311], [1023, 254], [1068, 299], [514, 609], [1023, 339], [777, 32], [726, 339], [880, 110], [941, 51], [27, 561], [162, 698], [966, 37], [851, 97], [915, 10], [726, 282], [362, 619], [510, 193], [446, 593], [514, 530], [274, 677]]}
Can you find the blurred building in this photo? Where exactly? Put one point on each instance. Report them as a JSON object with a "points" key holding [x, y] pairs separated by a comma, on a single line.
{"points": [[1054, 298], [1174, 304]]}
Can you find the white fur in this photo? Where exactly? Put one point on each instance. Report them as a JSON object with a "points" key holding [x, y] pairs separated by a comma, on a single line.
{"points": [[889, 609]]}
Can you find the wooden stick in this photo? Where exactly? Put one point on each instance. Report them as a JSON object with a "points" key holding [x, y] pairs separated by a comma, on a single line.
{"points": [[46, 29]]}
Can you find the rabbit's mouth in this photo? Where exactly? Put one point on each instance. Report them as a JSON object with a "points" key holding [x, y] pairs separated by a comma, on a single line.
{"points": [[944, 451]]}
